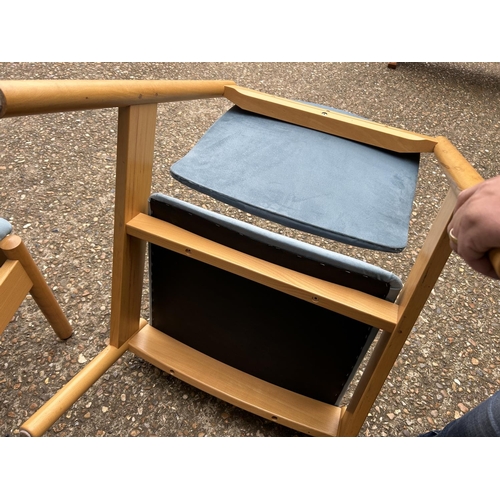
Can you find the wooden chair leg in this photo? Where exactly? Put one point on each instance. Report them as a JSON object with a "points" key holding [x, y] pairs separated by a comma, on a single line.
{"points": [[13, 248], [423, 276], [135, 153], [52, 410]]}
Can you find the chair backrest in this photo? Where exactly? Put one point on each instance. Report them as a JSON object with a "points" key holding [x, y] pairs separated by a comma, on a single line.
{"points": [[264, 332]]}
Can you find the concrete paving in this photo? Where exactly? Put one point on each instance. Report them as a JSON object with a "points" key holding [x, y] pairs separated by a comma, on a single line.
{"points": [[57, 189]]}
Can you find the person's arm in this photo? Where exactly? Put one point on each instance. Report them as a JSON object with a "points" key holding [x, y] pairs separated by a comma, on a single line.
{"points": [[476, 225]]}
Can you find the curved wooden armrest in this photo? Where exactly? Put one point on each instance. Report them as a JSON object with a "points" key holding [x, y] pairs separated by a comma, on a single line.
{"points": [[461, 174], [29, 97]]}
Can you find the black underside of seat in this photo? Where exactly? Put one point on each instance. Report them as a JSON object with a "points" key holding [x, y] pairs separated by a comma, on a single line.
{"points": [[276, 337]]}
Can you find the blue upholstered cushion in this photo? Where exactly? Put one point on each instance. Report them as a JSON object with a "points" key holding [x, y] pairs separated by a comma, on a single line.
{"points": [[304, 179], [5, 228]]}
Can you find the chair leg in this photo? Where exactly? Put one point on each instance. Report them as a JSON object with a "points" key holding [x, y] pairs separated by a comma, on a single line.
{"points": [[52, 410], [13, 248]]}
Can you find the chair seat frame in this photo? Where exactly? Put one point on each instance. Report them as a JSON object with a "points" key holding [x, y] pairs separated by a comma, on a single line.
{"points": [[137, 102]]}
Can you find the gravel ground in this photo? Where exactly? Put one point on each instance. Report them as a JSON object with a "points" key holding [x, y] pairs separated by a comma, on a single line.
{"points": [[57, 189]]}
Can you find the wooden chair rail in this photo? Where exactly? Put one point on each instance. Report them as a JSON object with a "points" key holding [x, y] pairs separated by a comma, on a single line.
{"points": [[236, 387], [330, 122], [28, 97], [352, 303], [461, 174]]}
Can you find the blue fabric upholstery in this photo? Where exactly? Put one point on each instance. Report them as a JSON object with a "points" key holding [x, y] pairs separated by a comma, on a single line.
{"points": [[5, 228], [304, 179], [297, 247]]}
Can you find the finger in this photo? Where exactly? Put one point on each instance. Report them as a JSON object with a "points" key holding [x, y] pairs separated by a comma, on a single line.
{"points": [[465, 195], [484, 266]]}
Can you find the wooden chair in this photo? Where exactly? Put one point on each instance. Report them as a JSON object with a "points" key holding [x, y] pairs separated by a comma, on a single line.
{"points": [[19, 275], [226, 256]]}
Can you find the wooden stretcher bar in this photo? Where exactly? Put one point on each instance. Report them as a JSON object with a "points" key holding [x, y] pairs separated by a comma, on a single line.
{"points": [[234, 386], [352, 303]]}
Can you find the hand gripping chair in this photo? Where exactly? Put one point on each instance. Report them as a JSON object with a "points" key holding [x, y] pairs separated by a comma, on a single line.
{"points": [[273, 325], [19, 275]]}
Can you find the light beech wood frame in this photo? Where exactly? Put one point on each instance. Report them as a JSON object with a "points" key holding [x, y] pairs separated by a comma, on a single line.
{"points": [[19, 275], [137, 102]]}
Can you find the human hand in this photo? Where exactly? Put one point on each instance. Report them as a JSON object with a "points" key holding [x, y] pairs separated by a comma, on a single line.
{"points": [[475, 225]]}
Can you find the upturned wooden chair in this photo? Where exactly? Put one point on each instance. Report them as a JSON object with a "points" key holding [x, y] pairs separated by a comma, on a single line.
{"points": [[267, 323], [19, 275]]}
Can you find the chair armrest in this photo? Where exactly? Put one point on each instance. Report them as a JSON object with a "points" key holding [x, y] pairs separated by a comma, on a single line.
{"points": [[29, 97]]}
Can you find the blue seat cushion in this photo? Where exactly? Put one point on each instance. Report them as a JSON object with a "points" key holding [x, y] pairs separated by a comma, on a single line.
{"points": [[305, 179], [5, 228]]}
